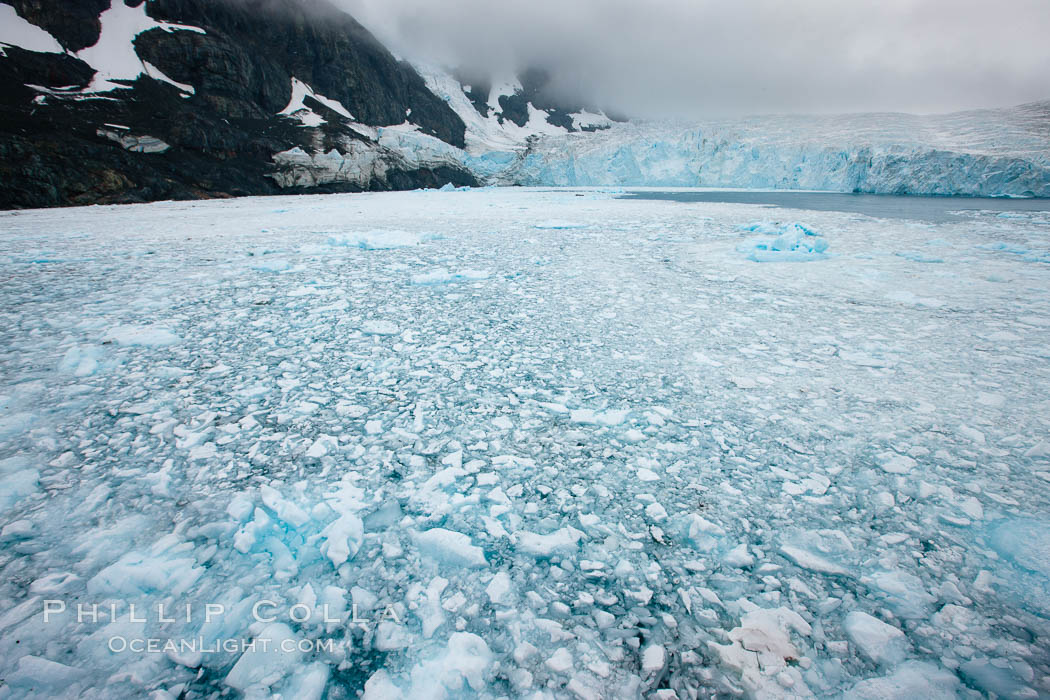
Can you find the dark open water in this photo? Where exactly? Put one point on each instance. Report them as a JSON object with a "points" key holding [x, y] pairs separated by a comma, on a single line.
{"points": [[931, 209]]}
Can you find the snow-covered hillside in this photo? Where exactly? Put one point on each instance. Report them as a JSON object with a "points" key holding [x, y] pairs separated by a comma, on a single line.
{"points": [[514, 443]]}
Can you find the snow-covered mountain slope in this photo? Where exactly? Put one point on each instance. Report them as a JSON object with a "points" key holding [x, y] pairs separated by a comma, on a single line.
{"points": [[220, 91], [989, 153], [502, 119]]}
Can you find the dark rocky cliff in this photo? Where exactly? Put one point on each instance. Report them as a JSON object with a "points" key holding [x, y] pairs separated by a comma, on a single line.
{"points": [[149, 139]]}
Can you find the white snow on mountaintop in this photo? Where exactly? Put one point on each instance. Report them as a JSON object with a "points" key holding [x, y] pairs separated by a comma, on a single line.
{"points": [[488, 134], [297, 108], [113, 56], [16, 31], [608, 458]]}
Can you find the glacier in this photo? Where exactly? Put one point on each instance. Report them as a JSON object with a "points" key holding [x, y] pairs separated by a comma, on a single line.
{"points": [[1000, 152], [981, 153], [522, 442]]}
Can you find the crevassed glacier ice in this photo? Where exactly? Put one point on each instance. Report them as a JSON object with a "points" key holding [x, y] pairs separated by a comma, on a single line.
{"points": [[995, 152], [1000, 152]]}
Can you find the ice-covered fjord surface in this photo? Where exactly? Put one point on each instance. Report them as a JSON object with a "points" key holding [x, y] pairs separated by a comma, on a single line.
{"points": [[522, 443]]}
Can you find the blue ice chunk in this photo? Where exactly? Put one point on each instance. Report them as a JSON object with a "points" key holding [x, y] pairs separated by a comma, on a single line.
{"points": [[911, 680], [17, 481], [1025, 542], [791, 242], [276, 652], [999, 677]]}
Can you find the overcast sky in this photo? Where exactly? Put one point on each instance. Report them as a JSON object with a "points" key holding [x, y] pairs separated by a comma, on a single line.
{"points": [[718, 57]]}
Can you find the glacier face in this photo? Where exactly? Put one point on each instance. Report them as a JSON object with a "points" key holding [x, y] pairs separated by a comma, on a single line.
{"points": [[1002, 152], [998, 152]]}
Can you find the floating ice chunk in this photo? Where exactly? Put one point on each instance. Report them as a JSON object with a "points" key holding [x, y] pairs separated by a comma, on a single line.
{"points": [[1025, 542], [563, 541], [379, 328], [699, 532], [438, 276], [285, 510], [823, 551], [272, 265], [611, 418], [381, 687], [817, 484], [500, 590], [450, 547], [391, 636], [633, 435], [971, 434], [38, 676], [350, 410], [762, 649], [811, 561], [443, 276], [556, 224], [792, 243], [322, 446], [151, 336], [911, 680], [560, 661], [884, 644], [466, 659], [375, 240], [906, 297], [903, 593], [894, 463], [17, 481], [343, 538], [740, 557], [16, 530], [647, 475], [306, 682], [656, 512], [1000, 678], [654, 658], [276, 653], [1041, 449], [81, 360], [158, 571]]}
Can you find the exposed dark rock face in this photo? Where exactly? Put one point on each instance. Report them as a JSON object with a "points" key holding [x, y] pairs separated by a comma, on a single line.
{"points": [[477, 89], [58, 149], [536, 89], [269, 41]]}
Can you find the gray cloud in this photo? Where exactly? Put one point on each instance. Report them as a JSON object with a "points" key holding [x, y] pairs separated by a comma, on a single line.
{"points": [[716, 57]]}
